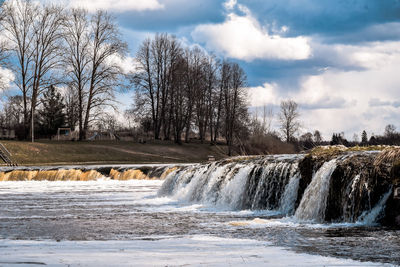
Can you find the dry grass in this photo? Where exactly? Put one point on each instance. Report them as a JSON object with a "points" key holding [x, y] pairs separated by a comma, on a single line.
{"points": [[329, 151], [390, 155], [111, 152]]}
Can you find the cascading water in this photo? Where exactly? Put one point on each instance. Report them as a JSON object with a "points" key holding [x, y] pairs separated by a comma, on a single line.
{"points": [[313, 204], [370, 217], [82, 173], [341, 188], [338, 191], [259, 183], [288, 200]]}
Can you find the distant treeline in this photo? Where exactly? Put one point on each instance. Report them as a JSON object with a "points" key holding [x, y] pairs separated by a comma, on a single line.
{"points": [[389, 137]]}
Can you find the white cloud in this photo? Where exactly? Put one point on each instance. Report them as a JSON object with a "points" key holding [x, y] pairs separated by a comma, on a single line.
{"points": [[263, 95], [6, 78], [230, 4], [365, 97], [127, 64], [344, 100], [316, 93], [242, 37], [374, 55], [117, 5]]}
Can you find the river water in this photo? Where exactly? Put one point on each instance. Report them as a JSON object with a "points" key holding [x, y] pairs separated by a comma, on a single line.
{"points": [[107, 222]]}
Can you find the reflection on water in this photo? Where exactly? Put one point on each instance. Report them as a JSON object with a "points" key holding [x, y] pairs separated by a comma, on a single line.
{"points": [[125, 210]]}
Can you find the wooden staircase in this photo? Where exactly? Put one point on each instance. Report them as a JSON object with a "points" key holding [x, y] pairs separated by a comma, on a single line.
{"points": [[5, 155]]}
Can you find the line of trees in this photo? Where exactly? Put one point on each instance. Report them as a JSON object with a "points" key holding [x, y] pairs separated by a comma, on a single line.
{"points": [[47, 45], [390, 137], [180, 90]]}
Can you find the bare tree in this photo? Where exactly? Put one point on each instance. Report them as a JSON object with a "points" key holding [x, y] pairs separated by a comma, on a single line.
{"points": [[223, 80], [317, 137], [193, 73], [234, 96], [91, 47], [211, 81], [76, 58], [390, 130], [306, 140], [147, 93], [105, 75], [200, 91], [267, 117], [178, 103], [4, 49], [46, 43], [107, 122], [18, 24], [157, 61], [13, 111], [289, 119]]}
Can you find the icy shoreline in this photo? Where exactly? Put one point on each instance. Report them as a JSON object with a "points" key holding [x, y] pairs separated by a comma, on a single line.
{"points": [[161, 251]]}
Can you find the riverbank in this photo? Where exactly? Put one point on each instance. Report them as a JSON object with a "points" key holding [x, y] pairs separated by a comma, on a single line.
{"points": [[110, 152]]}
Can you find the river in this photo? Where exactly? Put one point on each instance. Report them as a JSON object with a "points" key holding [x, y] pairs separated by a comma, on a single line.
{"points": [[108, 222]]}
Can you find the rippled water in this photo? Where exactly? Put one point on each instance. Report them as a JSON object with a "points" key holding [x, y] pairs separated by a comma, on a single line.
{"points": [[126, 210]]}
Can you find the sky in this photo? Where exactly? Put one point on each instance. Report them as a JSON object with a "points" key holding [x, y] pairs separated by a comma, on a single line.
{"points": [[337, 59]]}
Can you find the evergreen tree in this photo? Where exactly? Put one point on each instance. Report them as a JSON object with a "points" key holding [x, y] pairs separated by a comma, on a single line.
{"points": [[334, 140], [338, 139], [364, 138], [51, 114]]}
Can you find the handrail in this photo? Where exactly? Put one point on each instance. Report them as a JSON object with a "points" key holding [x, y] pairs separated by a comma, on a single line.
{"points": [[3, 147], [6, 156]]}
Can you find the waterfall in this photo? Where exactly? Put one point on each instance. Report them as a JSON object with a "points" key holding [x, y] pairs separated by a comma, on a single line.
{"points": [[308, 187], [256, 184], [370, 217], [288, 200], [76, 173], [313, 204], [219, 185], [271, 186]]}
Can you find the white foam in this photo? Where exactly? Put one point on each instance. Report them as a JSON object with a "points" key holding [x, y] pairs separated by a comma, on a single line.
{"points": [[187, 250]]}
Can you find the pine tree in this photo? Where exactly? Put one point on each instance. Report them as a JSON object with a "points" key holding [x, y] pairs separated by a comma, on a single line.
{"points": [[51, 114], [364, 138]]}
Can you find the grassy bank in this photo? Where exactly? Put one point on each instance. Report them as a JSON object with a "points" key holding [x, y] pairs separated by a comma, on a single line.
{"points": [[109, 152]]}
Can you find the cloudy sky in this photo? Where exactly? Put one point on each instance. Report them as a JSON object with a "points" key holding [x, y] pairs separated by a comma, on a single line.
{"points": [[337, 58]]}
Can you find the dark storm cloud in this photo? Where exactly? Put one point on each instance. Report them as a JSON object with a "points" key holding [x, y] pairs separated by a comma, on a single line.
{"points": [[377, 32], [340, 21], [175, 14], [288, 73], [328, 18]]}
